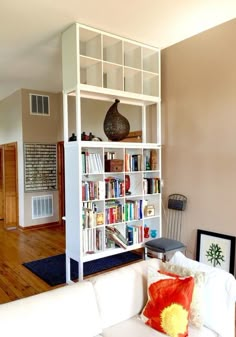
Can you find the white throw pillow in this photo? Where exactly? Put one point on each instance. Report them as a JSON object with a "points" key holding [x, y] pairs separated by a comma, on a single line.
{"points": [[219, 295], [196, 308]]}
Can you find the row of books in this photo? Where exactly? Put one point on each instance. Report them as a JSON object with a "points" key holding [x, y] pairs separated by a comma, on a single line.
{"points": [[151, 185], [91, 218], [113, 212], [93, 190], [93, 238], [114, 187], [91, 162], [132, 235], [133, 210], [118, 212], [151, 160], [133, 162]]}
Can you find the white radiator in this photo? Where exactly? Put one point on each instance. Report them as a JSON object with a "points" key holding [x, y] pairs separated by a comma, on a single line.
{"points": [[42, 206]]}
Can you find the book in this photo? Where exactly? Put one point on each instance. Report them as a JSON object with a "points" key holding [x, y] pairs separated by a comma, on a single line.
{"points": [[114, 234], [153, 160], [99, 218], [130, 235]]}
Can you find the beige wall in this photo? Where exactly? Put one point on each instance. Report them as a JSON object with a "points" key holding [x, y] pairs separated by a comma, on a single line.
{"points": [[10, 118], [199, 113], [17, 125], [41, 129]]}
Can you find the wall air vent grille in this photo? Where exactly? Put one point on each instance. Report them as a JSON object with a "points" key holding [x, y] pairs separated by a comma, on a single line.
{"points": [[42, 206], [39, 105]]}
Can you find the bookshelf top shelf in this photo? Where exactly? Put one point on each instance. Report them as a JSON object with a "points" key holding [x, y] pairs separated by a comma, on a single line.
{"points": [[113, 145], [97, 93]]}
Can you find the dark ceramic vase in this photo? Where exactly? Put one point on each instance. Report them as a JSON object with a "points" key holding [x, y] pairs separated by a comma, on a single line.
{"points": [[115, 126]]}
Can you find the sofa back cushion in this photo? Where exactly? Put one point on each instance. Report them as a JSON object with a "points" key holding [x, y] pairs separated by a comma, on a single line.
{"points": [[53, 313], [121, 293]]}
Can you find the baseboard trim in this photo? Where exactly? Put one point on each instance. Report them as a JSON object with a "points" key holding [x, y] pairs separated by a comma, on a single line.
{"points": [[41, 226]]}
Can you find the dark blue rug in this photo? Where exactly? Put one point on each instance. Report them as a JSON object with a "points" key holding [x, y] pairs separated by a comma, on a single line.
{"points": [[53, 270]]}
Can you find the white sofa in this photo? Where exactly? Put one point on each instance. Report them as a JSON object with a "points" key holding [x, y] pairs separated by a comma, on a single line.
{"points": [[109, 305]]}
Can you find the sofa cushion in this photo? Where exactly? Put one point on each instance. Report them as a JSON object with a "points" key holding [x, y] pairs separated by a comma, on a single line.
{"points": [[120, 294], [134, 327], [169, 300], [219, 295], [196, 307], [53, 313]]}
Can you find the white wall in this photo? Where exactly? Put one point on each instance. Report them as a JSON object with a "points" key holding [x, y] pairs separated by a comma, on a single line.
{"points": [[11, 131]]}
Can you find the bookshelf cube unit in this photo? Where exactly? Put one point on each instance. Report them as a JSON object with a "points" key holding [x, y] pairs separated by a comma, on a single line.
{"points": [[132, 55], [113, 190], [112, 50], [113, 153], [133, 160], [112, 76], [113, 62], [135, 183], [93, 240], [134, 233], [151, 161], [152, 224], [92, 160], [133, 80], [90, 71], [150, 84], [151, 60], [114, 186], [133, 209], [90, 43]]}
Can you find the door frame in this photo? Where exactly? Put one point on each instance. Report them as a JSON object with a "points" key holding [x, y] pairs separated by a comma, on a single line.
{"points": [[8, 213], [61, 181]]}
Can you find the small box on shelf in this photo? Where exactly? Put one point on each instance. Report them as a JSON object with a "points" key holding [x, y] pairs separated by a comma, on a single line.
{"points": [[149, 210], [114, 165]]}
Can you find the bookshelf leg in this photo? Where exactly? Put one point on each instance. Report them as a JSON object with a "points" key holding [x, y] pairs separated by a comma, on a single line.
{"points": [[81, 271], [145, 251], [68, 280]]}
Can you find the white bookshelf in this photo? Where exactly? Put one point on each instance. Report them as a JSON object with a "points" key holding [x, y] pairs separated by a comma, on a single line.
{"points": [[101, 66]]}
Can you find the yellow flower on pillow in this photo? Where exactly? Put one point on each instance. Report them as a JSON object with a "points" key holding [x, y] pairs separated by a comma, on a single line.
{"points": [[174, 319]]}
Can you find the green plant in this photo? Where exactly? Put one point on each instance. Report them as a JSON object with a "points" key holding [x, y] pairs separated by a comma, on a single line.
{"points": [[215, 255]]}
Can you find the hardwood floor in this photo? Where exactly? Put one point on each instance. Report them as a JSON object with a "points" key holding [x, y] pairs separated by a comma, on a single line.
{"points": [[18, 246]]}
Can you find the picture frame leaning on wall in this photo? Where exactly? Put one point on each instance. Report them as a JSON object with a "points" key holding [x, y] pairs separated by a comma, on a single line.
{"points": [[216, 249]]}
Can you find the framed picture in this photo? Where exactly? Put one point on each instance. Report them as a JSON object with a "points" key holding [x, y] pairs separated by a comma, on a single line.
{"points": [[217, 250]]}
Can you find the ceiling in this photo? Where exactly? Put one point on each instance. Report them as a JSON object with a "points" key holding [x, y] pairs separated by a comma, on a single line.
{"points": [[30, 45]]}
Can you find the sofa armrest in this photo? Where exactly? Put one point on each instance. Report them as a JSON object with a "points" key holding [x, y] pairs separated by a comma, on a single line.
{"points": [[219, 295]]}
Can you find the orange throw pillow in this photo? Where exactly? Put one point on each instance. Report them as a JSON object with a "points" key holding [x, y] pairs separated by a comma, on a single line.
{"points": [[169, 299]]}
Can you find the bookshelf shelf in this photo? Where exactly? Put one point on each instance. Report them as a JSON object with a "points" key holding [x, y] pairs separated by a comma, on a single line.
{"points": [[105, 207]]}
